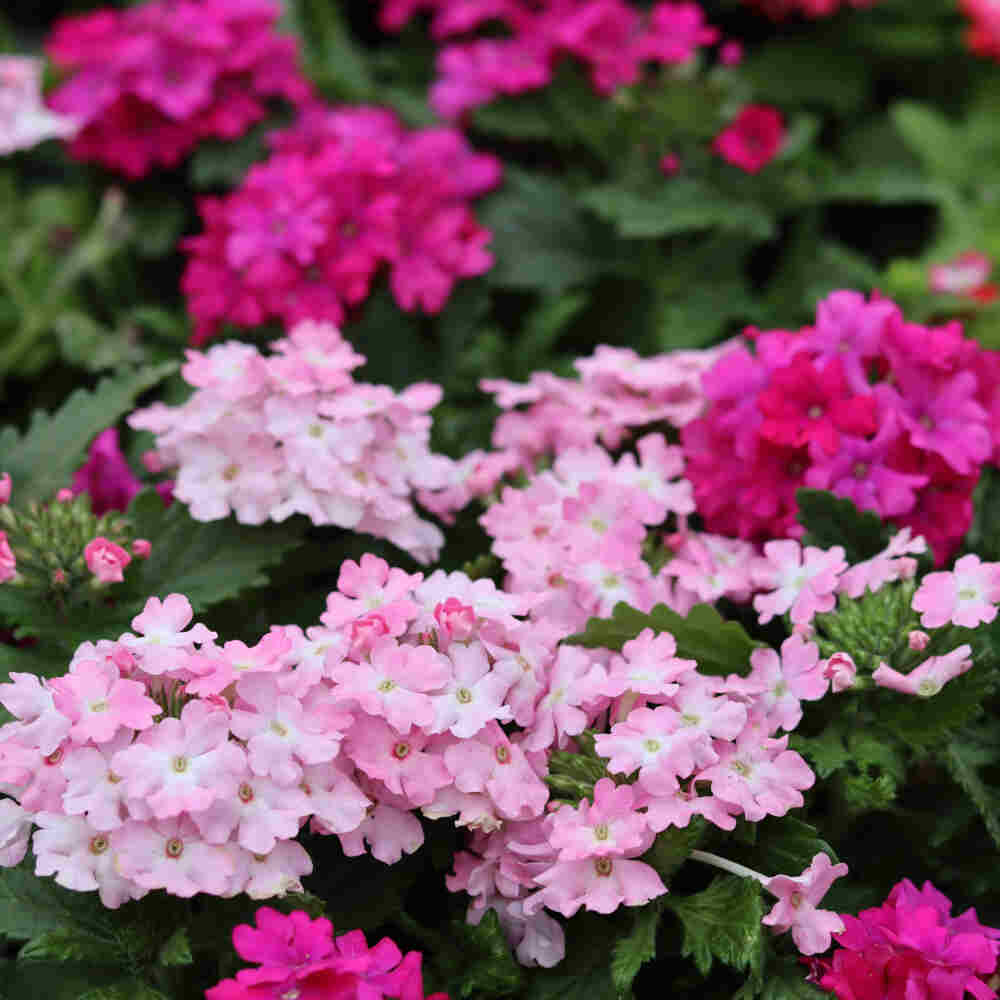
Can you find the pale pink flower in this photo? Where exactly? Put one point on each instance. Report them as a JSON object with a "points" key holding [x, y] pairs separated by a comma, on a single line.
{"points": [[473, 695], [163, 644], [216, 671], [106, 560], [336, 802], [759, 775], [647, 665], [141, 548], [784, 682], [918, 640], [93, 788], [82, 858], [705, 708], [966, 596], [182, 765], [576, 682], [927, 679], [15, 831], [170, 854], [276, 873], [609, 827], [966, 274], [31, 701], [601, 884], [801, 582], [796, 909], [389, 832], [98, 702], [893, 563], [370, 586], [25, 121]]}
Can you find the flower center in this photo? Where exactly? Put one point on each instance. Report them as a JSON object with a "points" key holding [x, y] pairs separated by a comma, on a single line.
{"points": [[277, 727], [781, 689], [967, 594], [741, 768], [99, 706], [401, 750], [690, 720], [98, 844], [928, 687], [55, 757], [601, 831], [315, 431], [502, 754], [386, 685], [174, 847], [796, 899], [860, 470], [927, 421], [814, 412], [611, 580], [463, 696], [651, 745], [245, 793], [179, 765], [598, 525], [603, 866], [230, 473]]}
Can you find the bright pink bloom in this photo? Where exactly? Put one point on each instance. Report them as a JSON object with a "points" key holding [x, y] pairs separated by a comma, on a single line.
{"points": [[8, 561], [796, 909], [5, 486], [927, 679], [669, 164], [106, 476], [731, 53], [106, 560], [966, 596], [752, 139]]}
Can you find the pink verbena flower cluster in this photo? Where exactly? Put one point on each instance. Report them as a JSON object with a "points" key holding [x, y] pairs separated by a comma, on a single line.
{"points": [[292, 432], [149, 82], [611, 38], [300, 957], [24, 119], [911, 946], [896, 416], [346, 192], [697, 745], [574, 535], [780, 9]]}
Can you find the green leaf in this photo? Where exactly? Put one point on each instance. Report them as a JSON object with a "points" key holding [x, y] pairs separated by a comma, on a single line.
{"points": [[332, 57], [44, 459], [886, 186], [125, 989], [485, 966], [217, 164], [31, 906], [55, 980], [637, 947], [826, 752], [933, 139], [785, 979], [680, 206], [786, 846], [176, 949], [963, 756], [65, 944], [722, 923], [206, 561], [674, 845], [720, 647], [831, 520], [541, 240]]}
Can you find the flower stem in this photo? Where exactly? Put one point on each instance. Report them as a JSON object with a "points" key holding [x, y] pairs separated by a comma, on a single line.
{"points": [[728, 866]]}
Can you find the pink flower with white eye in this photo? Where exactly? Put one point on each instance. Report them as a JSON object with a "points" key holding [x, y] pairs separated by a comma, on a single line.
{"points": [[44, 778], [677, 809], [787, 680], [31, 701], [389, 832], [163, 644], [394, 683], [796, 909], [926, 680], [918, 640], [400, 760], [600, 884], [840, 671], [98, 702], [759, 775], [15, 832], [648, 666], [106, 560], [656, 744], [336, 802], [473, 695], [801, 582], [472, 810], [258, 811], [93, 788], [490, 763], [82, 858], [371, 586], [170, 854], [966, 596], [575, 683], [706, 710], [482, 596], [365, 633], [216, 671], [8, 561], [282, 732], [610, 827], [182, 765]]}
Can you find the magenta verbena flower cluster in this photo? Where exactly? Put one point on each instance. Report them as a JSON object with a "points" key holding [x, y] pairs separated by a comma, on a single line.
{"points": [[292, 432], [149, 82], [346, 192], [611, 38]]}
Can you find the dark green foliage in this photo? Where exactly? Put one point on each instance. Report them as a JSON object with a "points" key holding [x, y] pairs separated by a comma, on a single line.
{"points": [[830, 520], [718, 646]]}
